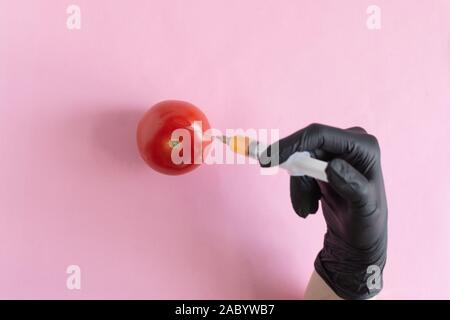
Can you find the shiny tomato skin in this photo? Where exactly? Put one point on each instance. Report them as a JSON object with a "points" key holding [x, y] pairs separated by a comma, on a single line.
{"points": [[154, 134]]}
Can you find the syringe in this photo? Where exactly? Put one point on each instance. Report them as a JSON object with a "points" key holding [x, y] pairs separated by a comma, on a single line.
{"points": [[298, 164]]}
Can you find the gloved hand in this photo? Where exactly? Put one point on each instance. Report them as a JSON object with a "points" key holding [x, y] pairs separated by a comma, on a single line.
{"points": [[353, 204]]}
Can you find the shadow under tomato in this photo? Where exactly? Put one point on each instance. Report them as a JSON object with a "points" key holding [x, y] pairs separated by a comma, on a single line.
{"points": [[114, 132]]}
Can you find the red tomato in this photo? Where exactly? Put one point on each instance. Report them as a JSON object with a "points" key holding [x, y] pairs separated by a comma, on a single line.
{"points": [[155, 139]]}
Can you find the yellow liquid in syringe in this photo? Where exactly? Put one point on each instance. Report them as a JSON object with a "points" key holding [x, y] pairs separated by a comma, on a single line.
{"points": [[239, 144]]}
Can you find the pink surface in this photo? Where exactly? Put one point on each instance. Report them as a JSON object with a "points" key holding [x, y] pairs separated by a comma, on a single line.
{"points": [[73, 189]]}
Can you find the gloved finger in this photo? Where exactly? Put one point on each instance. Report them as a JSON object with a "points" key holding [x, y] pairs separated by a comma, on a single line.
{"points": [[348, 182], [327, 156], [357, 130], [305, 195], [315, 136], [322, 155]]}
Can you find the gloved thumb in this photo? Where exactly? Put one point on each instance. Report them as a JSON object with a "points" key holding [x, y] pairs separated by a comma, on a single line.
{"points": [[348, 182]]}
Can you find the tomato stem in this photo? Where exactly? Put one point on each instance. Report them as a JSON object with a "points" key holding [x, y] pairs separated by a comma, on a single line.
{"points": [[173, 143]]}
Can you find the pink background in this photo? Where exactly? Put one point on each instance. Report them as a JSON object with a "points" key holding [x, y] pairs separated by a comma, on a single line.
{"points": [[73, 189]]}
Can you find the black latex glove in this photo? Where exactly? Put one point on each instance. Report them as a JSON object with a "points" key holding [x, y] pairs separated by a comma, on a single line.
{"points": [[353, 204]]}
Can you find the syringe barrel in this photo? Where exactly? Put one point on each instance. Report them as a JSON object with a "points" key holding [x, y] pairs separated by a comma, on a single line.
{"points": [[298, 164]]}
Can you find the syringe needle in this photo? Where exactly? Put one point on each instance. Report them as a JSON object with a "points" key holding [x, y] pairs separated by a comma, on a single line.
{"points": [[224, 139]]}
